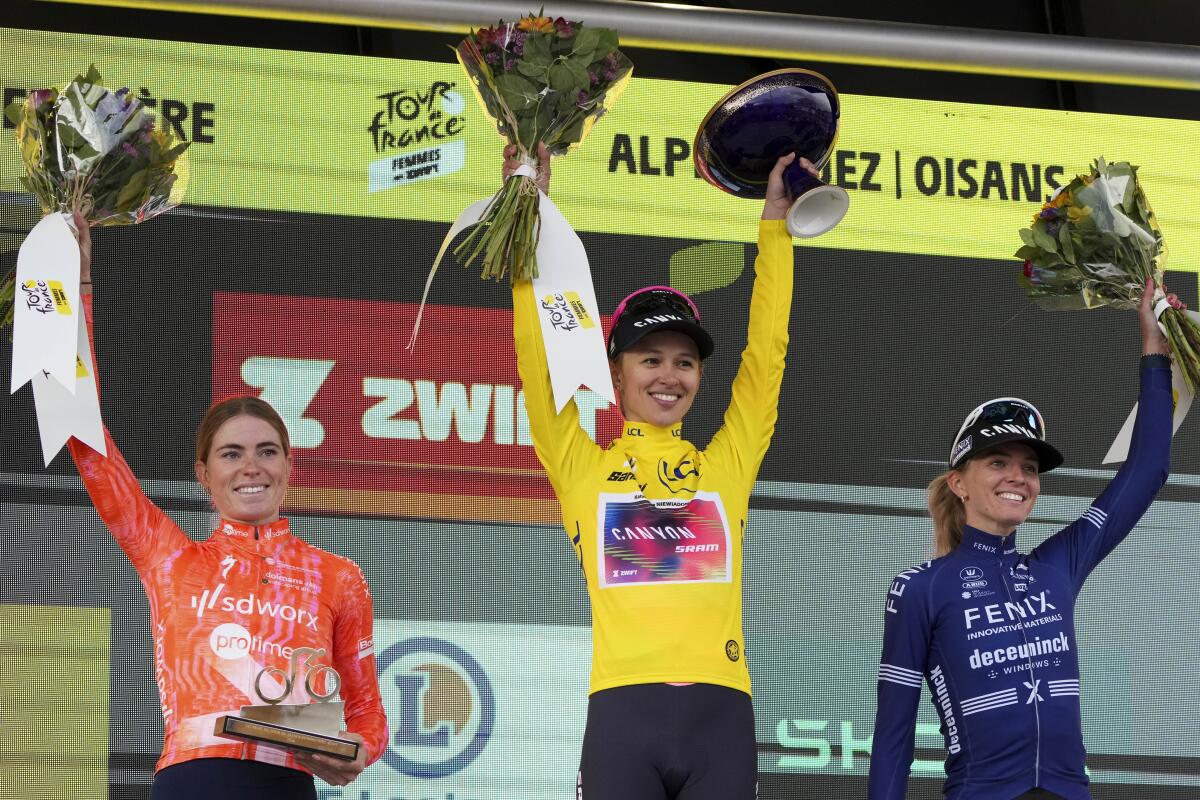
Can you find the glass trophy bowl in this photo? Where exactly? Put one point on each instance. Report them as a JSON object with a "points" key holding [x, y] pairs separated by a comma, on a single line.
{"points": [[745, 133]]}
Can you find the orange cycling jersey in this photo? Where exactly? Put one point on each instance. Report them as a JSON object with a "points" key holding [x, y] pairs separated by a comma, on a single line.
{"points": [[223, 609]]}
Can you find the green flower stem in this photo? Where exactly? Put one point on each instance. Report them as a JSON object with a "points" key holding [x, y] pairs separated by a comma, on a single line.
{"points": [[1185, 356], [1190, 341], [8, 300], [505, 238]]}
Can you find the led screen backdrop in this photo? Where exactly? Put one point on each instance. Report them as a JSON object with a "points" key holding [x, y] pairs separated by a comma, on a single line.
{"points": [[320, 189]]}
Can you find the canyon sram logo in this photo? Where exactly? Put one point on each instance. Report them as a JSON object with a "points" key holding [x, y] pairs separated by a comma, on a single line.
{"points": [[437, 432]]}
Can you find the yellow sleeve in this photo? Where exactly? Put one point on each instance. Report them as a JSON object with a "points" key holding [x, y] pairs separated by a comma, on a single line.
{"points": [[562, 446], [754, 405]]}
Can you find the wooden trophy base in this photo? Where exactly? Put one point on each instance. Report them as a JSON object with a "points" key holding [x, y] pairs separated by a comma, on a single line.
{"points": [[275, 734]]}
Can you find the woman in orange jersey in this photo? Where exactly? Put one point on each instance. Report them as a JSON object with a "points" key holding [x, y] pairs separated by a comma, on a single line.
{"points": [[657, 525], [242, 601]]}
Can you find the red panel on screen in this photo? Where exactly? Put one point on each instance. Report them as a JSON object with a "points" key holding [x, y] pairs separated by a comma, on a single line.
{"points": [[436, 432]]}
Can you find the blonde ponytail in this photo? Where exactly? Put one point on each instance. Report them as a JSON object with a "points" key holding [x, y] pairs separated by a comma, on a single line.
{"points": [[949, 515]]}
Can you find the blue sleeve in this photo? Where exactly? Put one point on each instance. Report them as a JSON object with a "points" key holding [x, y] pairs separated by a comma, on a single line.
{"points": [[1083, 544], [906, 634]]}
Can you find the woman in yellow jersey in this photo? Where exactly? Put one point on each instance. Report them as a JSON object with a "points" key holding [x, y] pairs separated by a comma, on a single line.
{"points": [[657, 524]]}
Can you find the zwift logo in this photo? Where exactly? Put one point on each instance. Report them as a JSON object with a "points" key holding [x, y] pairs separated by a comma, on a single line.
{"points": [[443, 708]]}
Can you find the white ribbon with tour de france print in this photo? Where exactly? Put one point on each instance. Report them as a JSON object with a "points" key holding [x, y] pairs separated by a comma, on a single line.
{"points": [[51, 349], [564, 297], [1119, 450]]}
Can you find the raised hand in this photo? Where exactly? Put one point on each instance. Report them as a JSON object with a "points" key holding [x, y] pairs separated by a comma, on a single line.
{"points": [[511, 162], [778, 200], [1153, 341], [83, 235]]}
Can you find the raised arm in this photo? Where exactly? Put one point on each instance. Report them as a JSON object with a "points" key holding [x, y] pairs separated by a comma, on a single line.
{"points": [[1083, 544], [142, 530], [562, 446], [754, 403], [906, 634]]}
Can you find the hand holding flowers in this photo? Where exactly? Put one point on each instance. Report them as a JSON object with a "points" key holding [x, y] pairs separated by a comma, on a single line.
{"points": [[544, 82], [1097, 243], [97, 152]]}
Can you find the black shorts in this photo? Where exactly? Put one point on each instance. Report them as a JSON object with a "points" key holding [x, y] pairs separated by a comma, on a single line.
{"points": [[231, 779], [655, 741], [1038, 794]]}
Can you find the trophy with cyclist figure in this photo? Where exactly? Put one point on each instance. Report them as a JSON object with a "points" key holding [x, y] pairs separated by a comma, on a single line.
{"points": [[311, 727]]}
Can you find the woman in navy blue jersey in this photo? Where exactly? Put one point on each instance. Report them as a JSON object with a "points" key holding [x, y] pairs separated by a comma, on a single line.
{"points": [[990, 629]]}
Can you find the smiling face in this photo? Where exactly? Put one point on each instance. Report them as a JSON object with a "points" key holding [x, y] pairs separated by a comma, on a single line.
{"points": [[246, 470], [657, 378], [1000, 487]]}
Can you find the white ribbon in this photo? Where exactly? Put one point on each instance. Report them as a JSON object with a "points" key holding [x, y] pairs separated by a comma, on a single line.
{"points": [[62, 414], [1160, 305], [1119, 450], [46, 307], [50, 342], [564, 297]]}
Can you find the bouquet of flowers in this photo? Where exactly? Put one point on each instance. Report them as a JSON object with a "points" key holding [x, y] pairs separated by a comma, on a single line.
{"points": [[88, 149], [1095, 244], [540, 80]]}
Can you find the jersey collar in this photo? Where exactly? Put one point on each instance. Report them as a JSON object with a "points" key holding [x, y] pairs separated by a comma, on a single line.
{"points": [[977, 541], [644, 431], [242, 532]]}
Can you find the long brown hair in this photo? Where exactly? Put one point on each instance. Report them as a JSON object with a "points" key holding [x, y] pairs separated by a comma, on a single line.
{"points": [[949, 514], [221, 412]]}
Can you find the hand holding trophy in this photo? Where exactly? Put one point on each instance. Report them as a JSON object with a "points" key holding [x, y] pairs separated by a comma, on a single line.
{"points": [[745, 133], [311, 727]]}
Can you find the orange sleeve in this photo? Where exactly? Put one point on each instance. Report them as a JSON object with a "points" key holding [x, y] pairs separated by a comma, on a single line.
{"points": [[143, 531], [354, 659]]}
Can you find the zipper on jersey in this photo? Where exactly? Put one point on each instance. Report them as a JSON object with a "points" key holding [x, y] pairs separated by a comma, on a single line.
{"points": [[1037, 715], [575, 540], [256, 567], [260, 573]]}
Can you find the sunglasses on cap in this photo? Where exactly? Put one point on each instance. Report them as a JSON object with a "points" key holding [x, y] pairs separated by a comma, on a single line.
{"points": [[656, 297], [1003, 420], [1005, 411]]}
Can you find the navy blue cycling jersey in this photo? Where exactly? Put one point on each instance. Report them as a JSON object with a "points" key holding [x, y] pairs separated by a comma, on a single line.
{"points": [[992, 632]]}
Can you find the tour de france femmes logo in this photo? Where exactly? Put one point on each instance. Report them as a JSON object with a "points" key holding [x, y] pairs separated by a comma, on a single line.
{"points": [[46, 297], [416, 133], [566, 311], [732, 651], [441, 707]]}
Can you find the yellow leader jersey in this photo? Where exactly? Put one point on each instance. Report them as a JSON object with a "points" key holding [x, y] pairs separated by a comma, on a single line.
{"points": [[657, 523]]}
